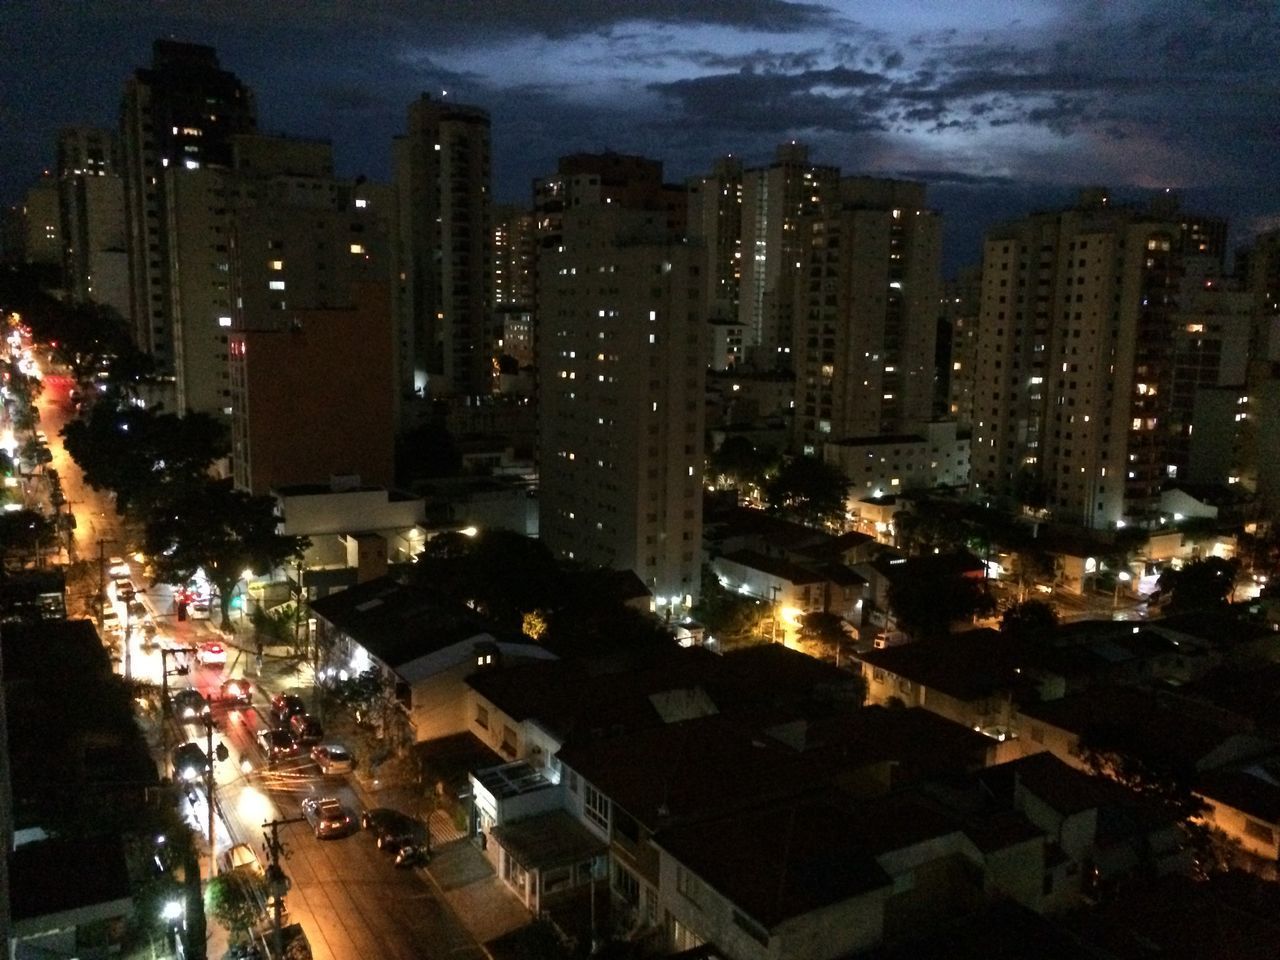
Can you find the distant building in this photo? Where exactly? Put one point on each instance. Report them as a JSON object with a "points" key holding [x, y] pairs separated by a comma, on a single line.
{"points": [[91, 192], [1079, 334], [442, 250], [774, 200], [865, 338], [725, 349], [715, 221], [623, 375], [312, 398], [42, 236], [937, 456], [180, 113]]}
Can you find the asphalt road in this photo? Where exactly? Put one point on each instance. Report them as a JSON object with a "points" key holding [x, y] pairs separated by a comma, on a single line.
{"points": [[350, 898]]}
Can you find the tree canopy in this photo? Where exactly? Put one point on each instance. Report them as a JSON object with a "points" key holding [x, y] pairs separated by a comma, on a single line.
{"points": [[740, 463], [1029, 620], [237, 900], [213, 527], [931, 592], [809, 490], [141, 455], [1200, 583]]}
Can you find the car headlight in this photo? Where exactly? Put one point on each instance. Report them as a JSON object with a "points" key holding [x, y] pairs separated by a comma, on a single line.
{"points": [[190, 773]]}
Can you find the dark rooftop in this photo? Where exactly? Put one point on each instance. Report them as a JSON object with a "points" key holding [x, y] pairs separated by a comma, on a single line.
{"points": [[774, 566], [1250, 791], [39, 876], [781, 862], [397, 623], [549, 840], [968, 666]]}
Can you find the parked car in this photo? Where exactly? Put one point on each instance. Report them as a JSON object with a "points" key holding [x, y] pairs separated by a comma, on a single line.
{"points": [[333, 758], [240, 857], [199, 610], [125, 590], [392, 829], [328, 817], [278, 744], [284, 706], [238, 691], [118, 567], [211, 653], [306, 728], [189, 762], [111, 621]]}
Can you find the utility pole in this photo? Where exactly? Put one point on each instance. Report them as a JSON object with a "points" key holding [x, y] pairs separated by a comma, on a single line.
{"points": [[209, 787], [277, 883]]}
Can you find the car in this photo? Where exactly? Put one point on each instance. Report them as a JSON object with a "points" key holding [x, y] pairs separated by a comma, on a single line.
{"points": [[199, 609], [333, 758], [306, 728], [241, 856], [125, 590], [111, 621], [284, 706], [392, 829], [189, 703], [328, 817], [278, 744], [211, 652], [189, 762], [238, 691], [118, 567]]}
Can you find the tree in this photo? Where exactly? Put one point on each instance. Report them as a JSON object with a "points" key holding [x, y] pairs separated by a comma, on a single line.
{"points": [[808, 489], [825, 632], [237, 900], [22, 535], [930, 593], [213, 527], [140, 455], [1029, 620], [740, 463], [1200, 583], [732, 618]]}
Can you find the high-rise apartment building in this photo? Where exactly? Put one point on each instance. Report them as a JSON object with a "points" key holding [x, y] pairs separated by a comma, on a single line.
{"points": [[178, 114], [715, 222], [311, 339], [867, 313], [289, 183], [774, 199], [442, 249], [621, 356], [95, 239], [1075, 357], [42, 223], [960, 313], [1259, 268]]}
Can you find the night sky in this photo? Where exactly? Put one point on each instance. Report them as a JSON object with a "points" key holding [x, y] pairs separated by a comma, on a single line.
{"points": [[1003, 106]]}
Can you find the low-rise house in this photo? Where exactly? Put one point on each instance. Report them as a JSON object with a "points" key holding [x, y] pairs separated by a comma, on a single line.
{"points": [[424, 647], [936, 457], [69, 898], [1164, 733], [1244, 803]]}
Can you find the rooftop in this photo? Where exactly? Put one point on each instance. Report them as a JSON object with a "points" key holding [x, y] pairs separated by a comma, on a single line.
{"points": [[40, 871], [549, 840], [397, 623]]}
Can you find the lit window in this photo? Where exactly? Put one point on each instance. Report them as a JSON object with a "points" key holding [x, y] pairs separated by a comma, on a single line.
{"points": [[224, 321], [357, 248], [276, 285], [275, 264], [361, 202]]}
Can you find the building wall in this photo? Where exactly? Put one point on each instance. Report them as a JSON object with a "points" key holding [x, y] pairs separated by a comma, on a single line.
{"points": [[1255, 835], [1076, 330], [315, 400], [443, 249], [838, 930], [347, 510], [867, 313], [621, 359], [179, 113], [939, 458], [43, 241]]}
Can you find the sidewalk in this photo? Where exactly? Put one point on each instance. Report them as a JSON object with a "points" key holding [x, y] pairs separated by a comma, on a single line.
{"points": [[461, 875]]}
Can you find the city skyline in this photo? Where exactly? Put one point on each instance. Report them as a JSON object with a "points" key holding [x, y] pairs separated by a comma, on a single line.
{"points": [[1002, 108]]}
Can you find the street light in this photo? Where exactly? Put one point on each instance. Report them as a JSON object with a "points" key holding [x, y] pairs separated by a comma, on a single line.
{"points": [[1123, 576]]}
